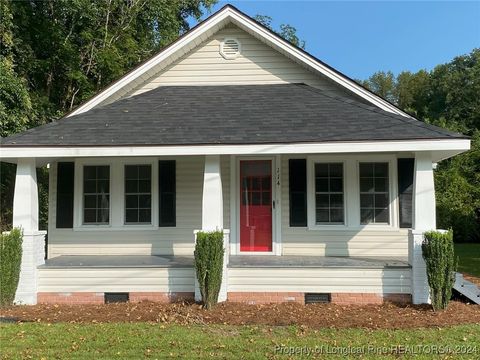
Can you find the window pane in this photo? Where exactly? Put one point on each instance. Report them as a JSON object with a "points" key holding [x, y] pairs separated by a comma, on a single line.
{"points": [[138, 197], [381, 201], [381, 169], [366, 215], [144, 186], [329, 199], [89, 186], [144, 172], [366, 200], [336, 185], [90, 201], [336, 200], [321, 185], [381, 184], [381, 215], [131, 201], [266, 198], [374, 193], [256, 198], [103, 215], [366, 184], [89, 215], [323, 201], [336, 170], [366, 170], [144, 215], [96, 190], [89, 173], [321, 170], [131, 186], [131, 215], [131, 172], [322, 216], [336, 215], [144, 201], [255, 183]]}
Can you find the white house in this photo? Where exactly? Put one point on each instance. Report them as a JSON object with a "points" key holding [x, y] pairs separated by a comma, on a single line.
{"points": [[323, 189]]}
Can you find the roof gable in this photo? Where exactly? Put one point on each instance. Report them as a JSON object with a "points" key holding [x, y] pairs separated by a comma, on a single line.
{"points": [[138, 77]]}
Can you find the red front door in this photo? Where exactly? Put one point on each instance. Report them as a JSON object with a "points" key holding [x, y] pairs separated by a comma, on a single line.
{"points": [[256, 205]]}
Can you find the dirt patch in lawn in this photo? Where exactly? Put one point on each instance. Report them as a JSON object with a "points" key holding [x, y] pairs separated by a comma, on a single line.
{"points": [[387, 316], [473, 279]]}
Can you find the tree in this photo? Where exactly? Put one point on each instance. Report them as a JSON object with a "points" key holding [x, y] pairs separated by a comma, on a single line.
{"points": [[447, 97], [56, 54], [288, 32]]}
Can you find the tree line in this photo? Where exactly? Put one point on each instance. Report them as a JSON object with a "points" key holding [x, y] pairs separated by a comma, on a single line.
{"points": [[55, 54]]}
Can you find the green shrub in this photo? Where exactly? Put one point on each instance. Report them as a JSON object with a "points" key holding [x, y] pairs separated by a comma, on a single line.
{"points": [[439, 256], [209, 265], [10, 260]]}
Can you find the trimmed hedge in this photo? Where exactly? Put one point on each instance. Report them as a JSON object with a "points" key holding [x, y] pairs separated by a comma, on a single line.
{"points": [[10, 260], [439, 255], [209, 254]]}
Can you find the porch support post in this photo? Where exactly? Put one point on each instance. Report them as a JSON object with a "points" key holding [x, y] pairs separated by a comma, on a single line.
{"points": [[423, 220], [25, 216], [212, 214]]}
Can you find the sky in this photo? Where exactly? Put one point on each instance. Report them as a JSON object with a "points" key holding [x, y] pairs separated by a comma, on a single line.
{"points": [[359, 38]]}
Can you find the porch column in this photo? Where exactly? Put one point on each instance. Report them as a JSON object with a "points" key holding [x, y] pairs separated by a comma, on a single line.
{"points": [[25, 216], [212, 214], [423, 220]]}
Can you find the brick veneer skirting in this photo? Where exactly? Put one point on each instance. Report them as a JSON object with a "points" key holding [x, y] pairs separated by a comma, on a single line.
{"points": [[298, 297], [99, 297]]}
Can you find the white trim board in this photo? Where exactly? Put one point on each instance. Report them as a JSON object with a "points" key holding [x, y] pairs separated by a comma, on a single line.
{"points": [[440, 149], [209, 26]]}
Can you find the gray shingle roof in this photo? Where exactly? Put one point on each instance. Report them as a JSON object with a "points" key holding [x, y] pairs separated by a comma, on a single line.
{"points": [[232, 114]]}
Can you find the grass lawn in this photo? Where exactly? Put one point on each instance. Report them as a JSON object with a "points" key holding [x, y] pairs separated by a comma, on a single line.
{"points": [[156, 341], [469, 258]]}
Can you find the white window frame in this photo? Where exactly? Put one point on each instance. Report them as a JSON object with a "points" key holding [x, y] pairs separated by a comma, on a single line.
{"points": [[117, 194], [351, 197]]}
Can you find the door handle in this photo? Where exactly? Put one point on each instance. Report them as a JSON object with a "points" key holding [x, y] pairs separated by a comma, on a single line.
{"points": [[273, 204]]}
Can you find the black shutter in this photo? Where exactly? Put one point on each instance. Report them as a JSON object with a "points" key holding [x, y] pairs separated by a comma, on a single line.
{"points": [[405, 169], [297, 178], [65, 181], [167, 193]]}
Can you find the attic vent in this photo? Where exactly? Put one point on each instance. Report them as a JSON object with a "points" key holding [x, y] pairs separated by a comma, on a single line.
{"points": [[230, 48]]}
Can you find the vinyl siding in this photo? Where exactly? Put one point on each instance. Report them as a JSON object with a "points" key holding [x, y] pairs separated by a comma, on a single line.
{"points": [[327, 280], [348, 242], [116, 280], [177, 240], [258, 63]]}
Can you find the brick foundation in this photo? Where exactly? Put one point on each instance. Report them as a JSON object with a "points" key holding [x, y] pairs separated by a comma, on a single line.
{"points": [[161, 297], [99, 298], [266, 297], [70, 298], [298, 297]]}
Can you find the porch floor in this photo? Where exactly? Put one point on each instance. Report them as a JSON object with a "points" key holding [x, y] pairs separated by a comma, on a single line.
{"points": [[235, 261], [118, 261], [269, 261]]}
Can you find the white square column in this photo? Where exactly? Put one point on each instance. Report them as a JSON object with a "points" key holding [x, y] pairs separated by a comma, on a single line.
{"points": [[212, 214], [423, 220], [25, 216]]}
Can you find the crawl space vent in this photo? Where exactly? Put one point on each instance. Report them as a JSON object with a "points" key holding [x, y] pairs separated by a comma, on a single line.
{"points": [[116, 298], [230, 48], [316, 298]]}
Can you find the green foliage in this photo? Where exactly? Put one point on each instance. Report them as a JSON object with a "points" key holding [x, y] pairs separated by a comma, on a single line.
{"points": [[447, 97], [439, 255], [209, 254], [10, 260], [287, 31], [57, 54]]}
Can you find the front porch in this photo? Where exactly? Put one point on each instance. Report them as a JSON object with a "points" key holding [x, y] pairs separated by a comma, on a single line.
{"points": [[300, 251], [251, 279]]}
